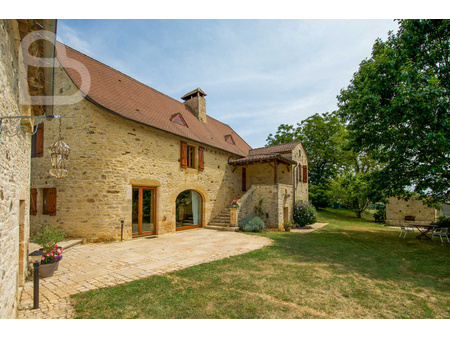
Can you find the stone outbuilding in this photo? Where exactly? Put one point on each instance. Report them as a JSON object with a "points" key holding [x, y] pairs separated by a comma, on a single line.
{"points": [[156, 163], [413, 211]]}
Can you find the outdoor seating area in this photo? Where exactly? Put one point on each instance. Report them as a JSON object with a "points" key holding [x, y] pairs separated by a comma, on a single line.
{"points": [[424, 230]]}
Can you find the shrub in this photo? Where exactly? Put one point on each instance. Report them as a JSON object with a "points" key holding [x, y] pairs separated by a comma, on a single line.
{"points": [[252, 224], [442, 221], [304, 214], [380, 215], [48, 236]]}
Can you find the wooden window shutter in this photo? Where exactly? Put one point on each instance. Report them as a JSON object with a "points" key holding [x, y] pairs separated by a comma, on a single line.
{"points": [[305, 174], [183, 155], [33, 201], [201, 160], [52, 202], [49, 195], [39, 140]]}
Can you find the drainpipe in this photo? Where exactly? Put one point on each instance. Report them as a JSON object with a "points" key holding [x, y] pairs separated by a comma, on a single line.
{"points": [[293, 181]]}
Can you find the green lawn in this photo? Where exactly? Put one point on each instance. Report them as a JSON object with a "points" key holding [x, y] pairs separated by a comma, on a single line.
{"points": [[352, 268]]}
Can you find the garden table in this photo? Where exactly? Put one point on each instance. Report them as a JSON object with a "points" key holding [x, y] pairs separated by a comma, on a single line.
{"points": [[423, 229]]}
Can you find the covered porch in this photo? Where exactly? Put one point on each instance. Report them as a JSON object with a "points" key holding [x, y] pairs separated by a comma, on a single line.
{"points": [[270, 178]]}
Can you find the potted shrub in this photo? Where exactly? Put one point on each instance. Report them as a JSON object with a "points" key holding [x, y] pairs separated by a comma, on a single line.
{"points": [[48, 237], [287, 226]]}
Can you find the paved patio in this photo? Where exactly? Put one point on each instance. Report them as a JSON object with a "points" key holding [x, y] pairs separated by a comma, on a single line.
{"points": [[93, 266]]}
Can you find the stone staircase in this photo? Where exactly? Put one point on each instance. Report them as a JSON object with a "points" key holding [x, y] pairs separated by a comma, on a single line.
{"points": [[222, 222]]}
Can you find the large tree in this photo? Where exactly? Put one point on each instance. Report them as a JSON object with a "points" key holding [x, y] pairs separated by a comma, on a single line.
{"points": [[323, 137], [398, 109]]}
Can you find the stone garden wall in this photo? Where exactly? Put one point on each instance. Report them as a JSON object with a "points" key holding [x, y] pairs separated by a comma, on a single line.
{"points": [[397, 210]]}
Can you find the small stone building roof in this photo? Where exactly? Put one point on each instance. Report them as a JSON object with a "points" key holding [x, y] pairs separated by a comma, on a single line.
{"points": [[280, 148], [261, 158], [133, 100]]}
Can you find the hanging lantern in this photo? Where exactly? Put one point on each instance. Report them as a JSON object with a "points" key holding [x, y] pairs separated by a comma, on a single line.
{"points": [[59, 152]]}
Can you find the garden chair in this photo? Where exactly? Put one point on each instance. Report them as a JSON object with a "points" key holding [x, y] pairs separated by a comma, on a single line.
{"points": [[441, 232], [405, 229]]}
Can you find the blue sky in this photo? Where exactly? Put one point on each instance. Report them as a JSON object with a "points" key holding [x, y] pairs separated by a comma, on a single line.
{"points": [[257, 73]]}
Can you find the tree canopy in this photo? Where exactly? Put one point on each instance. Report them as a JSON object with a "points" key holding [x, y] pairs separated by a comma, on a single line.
{"points": [[398, 109], [323, 137]]}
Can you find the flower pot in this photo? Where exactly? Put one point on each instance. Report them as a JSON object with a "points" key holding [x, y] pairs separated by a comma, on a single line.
{"points": [[287, 229], [47, 270]]}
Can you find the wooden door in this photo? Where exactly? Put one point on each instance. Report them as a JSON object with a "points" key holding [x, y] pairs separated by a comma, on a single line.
{"points": [[143, 211]]}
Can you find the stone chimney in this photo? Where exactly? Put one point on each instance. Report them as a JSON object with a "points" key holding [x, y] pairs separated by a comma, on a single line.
{"points": [[196, 101]]}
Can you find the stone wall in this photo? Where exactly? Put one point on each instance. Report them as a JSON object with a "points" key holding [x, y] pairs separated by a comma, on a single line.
{"points": [[301, 189], [14, 177], [397, 210], [109, 155], [277, 203]]}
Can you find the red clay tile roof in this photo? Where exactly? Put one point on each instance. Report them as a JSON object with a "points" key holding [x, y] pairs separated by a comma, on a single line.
{"points": [[281, 148], [260, 158], [131, 99]]}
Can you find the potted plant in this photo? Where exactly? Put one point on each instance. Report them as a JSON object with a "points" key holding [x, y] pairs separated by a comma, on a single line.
{"points": [[48, 237], [287, 226], [235, 203]]}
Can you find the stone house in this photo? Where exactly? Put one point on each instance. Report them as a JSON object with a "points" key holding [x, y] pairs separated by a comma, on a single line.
{"points": [[158, 164], [15, 150]]}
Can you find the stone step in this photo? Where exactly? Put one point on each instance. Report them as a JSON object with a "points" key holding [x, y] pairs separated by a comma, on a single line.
{"points": [[223, 218], [215, 221], [221, 228]]}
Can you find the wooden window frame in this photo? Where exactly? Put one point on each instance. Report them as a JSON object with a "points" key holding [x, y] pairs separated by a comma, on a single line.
{"points": [[48, 207], [190, 156], [33, 201]]}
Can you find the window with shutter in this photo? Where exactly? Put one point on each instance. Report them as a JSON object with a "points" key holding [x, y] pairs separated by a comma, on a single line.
{"points": [[183, 155], [37, 142], [190, 156], [49, 202], [33, 201], [305, 174], [299, 174], [201, 160]]}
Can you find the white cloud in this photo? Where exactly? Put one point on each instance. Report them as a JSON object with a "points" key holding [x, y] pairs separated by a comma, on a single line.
{"points": [[70, 37]]}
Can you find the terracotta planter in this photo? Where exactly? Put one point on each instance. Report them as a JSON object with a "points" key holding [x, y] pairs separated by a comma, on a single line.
{"points": [[47, 270], [287, 229]]}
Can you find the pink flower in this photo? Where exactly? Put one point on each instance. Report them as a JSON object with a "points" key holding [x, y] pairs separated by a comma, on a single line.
{"points": [[42, 258], [56, 245]]}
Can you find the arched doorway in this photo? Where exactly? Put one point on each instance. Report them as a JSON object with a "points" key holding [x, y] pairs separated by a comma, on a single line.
{"points": [[188, 215]]}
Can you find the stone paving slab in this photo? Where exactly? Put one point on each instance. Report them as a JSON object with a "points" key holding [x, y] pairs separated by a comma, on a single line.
{"points": [[92, 266]]}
